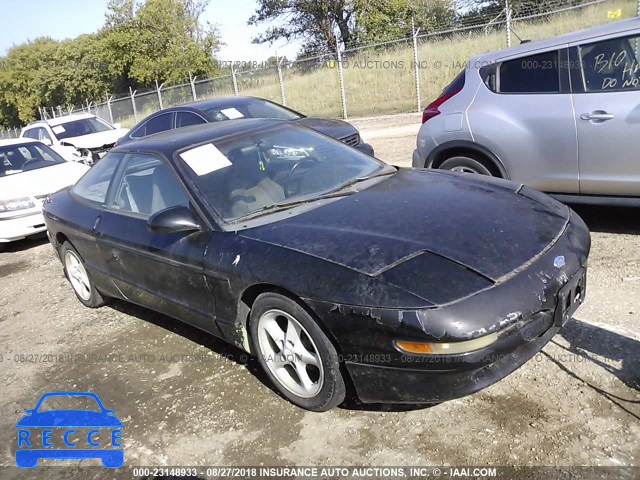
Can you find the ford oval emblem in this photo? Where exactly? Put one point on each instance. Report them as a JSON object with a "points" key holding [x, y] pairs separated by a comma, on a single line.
{"points": [[558, 262]]}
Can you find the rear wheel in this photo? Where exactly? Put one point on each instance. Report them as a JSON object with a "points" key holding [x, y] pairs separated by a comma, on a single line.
{"points": [[78, 276], [464, 164], [295, 353]]}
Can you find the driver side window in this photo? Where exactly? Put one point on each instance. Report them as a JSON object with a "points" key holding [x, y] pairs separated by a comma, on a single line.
{"points": [[147, 186]]}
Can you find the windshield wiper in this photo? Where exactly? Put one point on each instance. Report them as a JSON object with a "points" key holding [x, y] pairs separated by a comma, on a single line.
{"points": [[380, 173], [287, 205], [341, 191]]}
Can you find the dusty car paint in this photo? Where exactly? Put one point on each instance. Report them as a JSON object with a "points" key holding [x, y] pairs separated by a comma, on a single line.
{"points": [[419, 256]]}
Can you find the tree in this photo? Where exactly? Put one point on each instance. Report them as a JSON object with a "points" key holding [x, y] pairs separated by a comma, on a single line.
{"points": [[317, 23], [163, 41], [383, 20], [140, 43]]}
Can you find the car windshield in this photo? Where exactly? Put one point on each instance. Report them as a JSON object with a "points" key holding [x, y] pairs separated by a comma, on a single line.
{"points": [[250, 108], [78, 128], [24, 157], [69, 402], [274, 167]]}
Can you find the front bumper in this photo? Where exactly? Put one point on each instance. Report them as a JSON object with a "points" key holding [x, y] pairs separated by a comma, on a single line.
{"points": [[19, 227], [522, 309], [376, 383]]}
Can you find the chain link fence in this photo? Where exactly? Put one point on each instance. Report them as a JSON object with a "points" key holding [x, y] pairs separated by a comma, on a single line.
{"points": [[397, 76]]}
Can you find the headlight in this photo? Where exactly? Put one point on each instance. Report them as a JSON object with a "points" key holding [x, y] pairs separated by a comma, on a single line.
{"points": [[451, 348], [16, 204]]}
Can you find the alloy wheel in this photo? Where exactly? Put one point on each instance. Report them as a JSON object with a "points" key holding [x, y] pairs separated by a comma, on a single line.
{"points": [[290, 354], [77, 275]]}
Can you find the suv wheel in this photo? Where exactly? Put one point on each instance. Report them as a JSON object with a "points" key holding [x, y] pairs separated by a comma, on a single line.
{"points": [[464, 164]]}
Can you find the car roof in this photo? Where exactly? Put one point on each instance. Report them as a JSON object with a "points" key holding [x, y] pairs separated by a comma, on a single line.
{"points": [[60, 120], [587, 34], [216, 102], [17, 141], [173, 140]]}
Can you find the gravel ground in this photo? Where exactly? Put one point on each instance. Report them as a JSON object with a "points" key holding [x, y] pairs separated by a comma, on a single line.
{"points": [[187, 398]]}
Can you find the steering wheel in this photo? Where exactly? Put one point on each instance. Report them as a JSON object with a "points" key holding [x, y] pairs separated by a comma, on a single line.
{"points": [[300, 162], [291, 188], [29, 164]]}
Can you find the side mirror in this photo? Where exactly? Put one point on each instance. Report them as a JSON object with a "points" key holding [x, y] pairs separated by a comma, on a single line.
{"points": [[117, 125], [47, 141], [172, 220]]}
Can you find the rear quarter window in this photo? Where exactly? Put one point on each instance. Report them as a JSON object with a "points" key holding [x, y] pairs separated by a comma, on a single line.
{"points": [[532, 74]]}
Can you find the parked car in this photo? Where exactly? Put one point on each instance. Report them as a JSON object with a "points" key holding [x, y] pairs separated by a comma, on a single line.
{"points": [[559, 115], [29, 171], [231, 108], [79, 137], [323, 261]]}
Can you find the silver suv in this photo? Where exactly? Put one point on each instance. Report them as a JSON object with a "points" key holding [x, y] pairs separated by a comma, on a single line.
{"points": [[561, 115]]}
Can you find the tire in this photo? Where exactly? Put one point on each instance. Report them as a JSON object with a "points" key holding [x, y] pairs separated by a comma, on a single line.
{"points": [[307, 371], [465, 165], [2, 246], [76, 273]]}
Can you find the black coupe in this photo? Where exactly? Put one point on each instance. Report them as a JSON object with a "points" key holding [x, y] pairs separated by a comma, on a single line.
{"points": [[233, 108], [327, 264]]}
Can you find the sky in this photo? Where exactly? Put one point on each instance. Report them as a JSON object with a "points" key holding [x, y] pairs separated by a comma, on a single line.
{"points": [[23, 20]]}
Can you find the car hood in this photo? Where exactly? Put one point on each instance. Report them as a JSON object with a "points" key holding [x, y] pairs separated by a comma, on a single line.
{"points": [[334, 128], [43, 181], [69, 418], [486, 228], [96, 140]]}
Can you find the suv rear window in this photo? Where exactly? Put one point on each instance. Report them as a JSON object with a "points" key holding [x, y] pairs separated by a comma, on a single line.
{"points": [[533, 74]]}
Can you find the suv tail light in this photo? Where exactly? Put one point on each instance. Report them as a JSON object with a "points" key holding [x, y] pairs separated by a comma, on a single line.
{"points": [[450, 90]]}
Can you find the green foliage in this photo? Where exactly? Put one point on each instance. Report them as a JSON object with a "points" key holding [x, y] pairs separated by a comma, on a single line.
{"points": [[353, 22], [315, 22], [383, 20], [140, 43]]}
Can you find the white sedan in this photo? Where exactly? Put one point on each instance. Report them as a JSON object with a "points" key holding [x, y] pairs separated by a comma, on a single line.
{"points": [[29, 172]]}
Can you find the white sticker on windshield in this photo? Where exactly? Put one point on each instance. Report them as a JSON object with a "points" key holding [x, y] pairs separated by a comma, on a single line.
{"points": [[58, 129], [232, 113], [205, 159]]}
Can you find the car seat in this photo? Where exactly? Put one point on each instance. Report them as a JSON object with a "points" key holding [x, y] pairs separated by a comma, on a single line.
{"points": [[250, 187]]}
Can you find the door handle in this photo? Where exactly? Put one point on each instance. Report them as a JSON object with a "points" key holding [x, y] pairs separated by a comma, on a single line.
{"points": [[598, 115]]}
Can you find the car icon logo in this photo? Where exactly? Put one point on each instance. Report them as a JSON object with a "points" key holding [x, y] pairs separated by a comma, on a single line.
{"points": [[93, 432], [558, 262]]}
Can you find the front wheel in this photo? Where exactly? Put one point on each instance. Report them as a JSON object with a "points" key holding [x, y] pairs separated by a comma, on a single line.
{"points": [[77, 275], [463, 164], [295, 353]]}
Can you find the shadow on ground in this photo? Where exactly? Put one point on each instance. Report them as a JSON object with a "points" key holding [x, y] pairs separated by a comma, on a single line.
{"points": [[610, 219], [617, 354], [233, 353], [21, 245]]}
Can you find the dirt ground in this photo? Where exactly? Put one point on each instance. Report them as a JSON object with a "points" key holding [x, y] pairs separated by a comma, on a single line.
{"points": [[186, 398]]}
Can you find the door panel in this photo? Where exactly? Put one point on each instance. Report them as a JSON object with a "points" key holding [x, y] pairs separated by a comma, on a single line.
{"points": [[607, 109], [162, 271]]}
